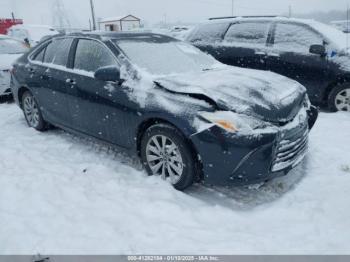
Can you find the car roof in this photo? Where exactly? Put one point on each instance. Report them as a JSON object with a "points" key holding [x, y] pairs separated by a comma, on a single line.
{"points": [[260, 18], [101, 35]]}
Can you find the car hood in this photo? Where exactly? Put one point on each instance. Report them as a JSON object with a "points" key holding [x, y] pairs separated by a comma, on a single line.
{"points": [[262, 94], [6, 60]]}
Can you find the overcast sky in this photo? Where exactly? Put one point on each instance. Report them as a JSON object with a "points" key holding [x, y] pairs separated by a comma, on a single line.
{"points": [[40, 11]]}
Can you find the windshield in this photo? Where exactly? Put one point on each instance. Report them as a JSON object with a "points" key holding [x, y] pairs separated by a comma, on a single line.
{"points": [[172, 57], [334, 35], [11, 46]]}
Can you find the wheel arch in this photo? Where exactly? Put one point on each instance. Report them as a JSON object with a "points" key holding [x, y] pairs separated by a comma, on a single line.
{"points": [[142, 128], [331, 86], [20, 93]]}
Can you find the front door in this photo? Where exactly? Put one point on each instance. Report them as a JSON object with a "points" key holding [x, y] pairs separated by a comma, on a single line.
{"points": [[98, 108], [290, 56]]}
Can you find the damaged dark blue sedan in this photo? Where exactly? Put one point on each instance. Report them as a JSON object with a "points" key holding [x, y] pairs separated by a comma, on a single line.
{"points": [[187, 116]]}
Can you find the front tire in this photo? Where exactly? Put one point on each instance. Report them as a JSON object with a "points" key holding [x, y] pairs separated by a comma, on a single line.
{"points": [[166, 153], [32, 112], [339, 99]]}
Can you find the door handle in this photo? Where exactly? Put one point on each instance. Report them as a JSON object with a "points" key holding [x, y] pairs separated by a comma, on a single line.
{"points": [[46, 77], [71, 81]]}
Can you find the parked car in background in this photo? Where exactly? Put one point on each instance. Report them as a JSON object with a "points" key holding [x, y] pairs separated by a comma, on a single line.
{"points": [[10, 50], [32, 34], [6, 23], [187, 116], [180, 32], [312, 53]]}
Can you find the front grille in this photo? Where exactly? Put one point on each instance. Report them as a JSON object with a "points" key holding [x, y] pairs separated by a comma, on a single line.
{"points": [[291, 151]]}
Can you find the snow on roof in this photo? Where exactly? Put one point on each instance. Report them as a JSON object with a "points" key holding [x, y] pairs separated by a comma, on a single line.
{"points": [[117, 18], [340, 21]]}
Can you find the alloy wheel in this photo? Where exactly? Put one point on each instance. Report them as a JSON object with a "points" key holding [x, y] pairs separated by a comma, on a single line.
{"points": [[342, 100], [31, 111], [164, 158]]}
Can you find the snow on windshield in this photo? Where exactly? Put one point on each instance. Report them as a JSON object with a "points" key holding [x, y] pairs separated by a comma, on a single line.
{"points": [[166, 58], [335, 36], [10, 46]]}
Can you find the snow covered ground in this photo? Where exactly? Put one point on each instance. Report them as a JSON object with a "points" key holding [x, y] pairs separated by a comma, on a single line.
{"points": [[61, 194]]}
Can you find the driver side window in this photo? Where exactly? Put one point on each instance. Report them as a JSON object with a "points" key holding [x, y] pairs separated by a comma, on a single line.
{"points": [[91, 55], [295, 38]]}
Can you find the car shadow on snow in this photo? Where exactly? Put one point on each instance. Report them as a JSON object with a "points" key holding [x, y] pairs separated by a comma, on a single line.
{"points": [[237, 198]]}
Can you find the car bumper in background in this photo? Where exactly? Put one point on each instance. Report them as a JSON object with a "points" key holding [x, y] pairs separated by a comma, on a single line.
{"points": [[231, 159]]}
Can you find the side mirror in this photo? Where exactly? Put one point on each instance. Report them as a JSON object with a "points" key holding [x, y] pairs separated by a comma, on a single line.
{"points": [[108, 73], [318, 50]]}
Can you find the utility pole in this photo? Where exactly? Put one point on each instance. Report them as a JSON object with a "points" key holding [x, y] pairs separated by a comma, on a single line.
{"points": [[93, 15], [13, 15], [59, 15], [347, 26]]}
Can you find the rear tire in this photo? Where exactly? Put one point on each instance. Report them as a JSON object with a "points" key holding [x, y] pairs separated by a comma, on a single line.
{"points": [[32, 112], [339, 99], [166, 153]]}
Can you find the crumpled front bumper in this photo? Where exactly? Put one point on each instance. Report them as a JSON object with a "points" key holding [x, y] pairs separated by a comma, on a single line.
{"points": [[232, 159]]}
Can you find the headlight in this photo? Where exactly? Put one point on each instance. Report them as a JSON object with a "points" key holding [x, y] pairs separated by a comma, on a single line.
{"points": [[232, 122]]}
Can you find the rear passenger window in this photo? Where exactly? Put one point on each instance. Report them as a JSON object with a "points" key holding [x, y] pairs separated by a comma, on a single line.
{"points": [[248, 33], [209, 32], [91, 55], [57, 51], [295, 38]]}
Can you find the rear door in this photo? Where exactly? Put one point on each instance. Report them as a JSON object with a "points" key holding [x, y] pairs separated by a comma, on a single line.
{"points": [[52, 94], [289, 55], [245, 44]]}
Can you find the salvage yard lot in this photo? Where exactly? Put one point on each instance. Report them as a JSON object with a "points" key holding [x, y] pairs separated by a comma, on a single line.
{"points": [[61, 194]]}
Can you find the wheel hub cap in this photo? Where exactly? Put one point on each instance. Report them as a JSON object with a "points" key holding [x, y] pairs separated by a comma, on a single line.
{"points": [[342, 100], [164, 158], [31, 111]]}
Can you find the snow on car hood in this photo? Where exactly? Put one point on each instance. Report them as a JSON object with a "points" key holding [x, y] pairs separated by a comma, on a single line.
{"points": [[6, 60], [262, 94]]}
